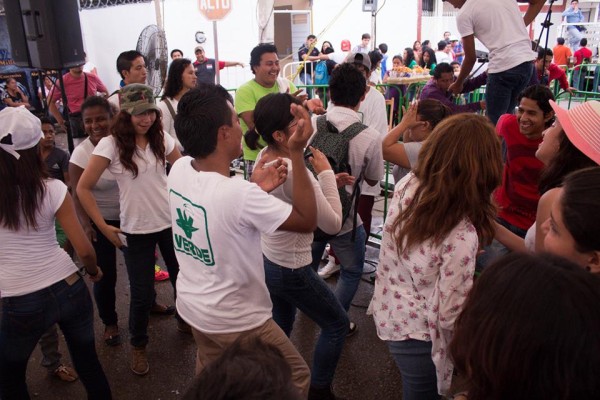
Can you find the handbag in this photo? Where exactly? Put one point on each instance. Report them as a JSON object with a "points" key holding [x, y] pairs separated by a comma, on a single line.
{"points": [[581, 28]]}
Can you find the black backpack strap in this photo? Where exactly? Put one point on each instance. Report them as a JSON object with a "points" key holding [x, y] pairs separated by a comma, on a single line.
{"points": [[85, 86]]}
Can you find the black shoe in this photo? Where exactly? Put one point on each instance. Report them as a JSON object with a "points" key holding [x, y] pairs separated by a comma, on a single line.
{"points": [[322, 394]]}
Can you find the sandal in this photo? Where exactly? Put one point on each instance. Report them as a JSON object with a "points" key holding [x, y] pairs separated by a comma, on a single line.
{"points": [[111, 335]]}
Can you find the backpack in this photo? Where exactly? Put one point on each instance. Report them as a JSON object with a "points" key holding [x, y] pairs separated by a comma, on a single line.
{"points": [[335, 145], [321, 74]]}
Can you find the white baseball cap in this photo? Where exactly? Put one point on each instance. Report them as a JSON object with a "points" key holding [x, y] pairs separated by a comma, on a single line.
{"points": [[24, 127]]}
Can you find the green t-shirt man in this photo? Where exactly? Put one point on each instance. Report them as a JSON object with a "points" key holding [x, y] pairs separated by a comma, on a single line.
{"points": [[246, 98]]}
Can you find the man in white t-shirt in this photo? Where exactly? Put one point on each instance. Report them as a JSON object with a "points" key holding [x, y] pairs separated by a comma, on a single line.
{"points": [[498, 24], [372, 112], [442, 55], [217, 222]]}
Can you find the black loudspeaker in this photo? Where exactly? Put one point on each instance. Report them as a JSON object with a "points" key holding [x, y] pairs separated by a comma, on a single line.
{"points": [[45, 34]]}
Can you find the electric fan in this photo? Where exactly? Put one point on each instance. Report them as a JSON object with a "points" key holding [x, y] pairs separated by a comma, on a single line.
{"points": [[152, 43]]}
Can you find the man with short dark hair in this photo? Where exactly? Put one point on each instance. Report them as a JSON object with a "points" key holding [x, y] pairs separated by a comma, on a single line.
{"points": [[499, 25], [364, 45], [217, 223], [176, 53], [264, 64], [304, 55], [545, 75], [561, 52], [441, 55], [438, 88], [583, 54], [131, 65], [206, 68], [347, 88], [573, 15]]}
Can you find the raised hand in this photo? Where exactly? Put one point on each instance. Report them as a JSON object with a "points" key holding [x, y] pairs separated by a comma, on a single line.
{"points": [[269, 175], [297, 142], [318, 160]]}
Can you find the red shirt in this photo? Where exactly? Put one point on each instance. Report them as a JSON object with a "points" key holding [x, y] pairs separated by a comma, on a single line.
{"points": [[555, 72], [518, 196], [582, 53], [75, 90]]}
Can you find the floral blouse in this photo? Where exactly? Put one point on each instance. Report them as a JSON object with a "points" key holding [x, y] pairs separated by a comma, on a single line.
{"points": [[419, 293]]}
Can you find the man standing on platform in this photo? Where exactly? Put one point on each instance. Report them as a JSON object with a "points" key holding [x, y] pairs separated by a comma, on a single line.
{"points": [[498, 24]]}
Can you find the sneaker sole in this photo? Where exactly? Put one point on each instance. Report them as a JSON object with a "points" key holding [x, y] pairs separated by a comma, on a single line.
{"points": [[329, 275]]}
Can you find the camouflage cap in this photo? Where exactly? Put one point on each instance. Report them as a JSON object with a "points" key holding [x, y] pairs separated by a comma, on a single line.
{"points": [[137, 98]]}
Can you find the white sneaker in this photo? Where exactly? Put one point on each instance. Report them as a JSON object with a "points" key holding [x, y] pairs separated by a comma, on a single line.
{"points": [[331, 268]]}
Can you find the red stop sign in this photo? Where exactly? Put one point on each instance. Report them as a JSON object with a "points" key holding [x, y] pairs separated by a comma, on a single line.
{"points": [[214, 10]]}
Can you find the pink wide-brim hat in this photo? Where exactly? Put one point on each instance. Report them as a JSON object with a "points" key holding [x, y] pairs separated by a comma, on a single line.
{"points": [[582, 126]]}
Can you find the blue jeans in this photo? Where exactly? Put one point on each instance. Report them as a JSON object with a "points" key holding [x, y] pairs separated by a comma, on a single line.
{"points": [[306, 79], [352, 261], [413, 358], [139, 259], [503, 88], [574, 37], [104, 290], [302, 288], [26, 318]]}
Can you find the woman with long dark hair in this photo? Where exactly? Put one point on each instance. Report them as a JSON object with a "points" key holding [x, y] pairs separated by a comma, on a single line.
{"points": [[180, 80], [428, 60], [292, 282], [440, 215], [40, 284], [409, 58], [136, 154]]}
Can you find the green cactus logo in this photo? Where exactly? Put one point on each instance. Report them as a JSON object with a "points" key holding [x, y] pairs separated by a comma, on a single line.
{"points": [[186, 223]]}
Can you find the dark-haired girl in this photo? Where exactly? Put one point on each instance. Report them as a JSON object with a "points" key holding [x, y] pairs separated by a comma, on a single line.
{"points": [[180, 80], [135, 154], [292, 283], [96, 115], [40, 284]]}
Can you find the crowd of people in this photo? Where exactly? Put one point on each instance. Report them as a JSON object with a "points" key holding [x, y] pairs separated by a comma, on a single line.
{"points": [[510, 198]]}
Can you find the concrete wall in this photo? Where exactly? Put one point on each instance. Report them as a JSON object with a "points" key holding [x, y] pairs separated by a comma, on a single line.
{"points": [[109, 31]]}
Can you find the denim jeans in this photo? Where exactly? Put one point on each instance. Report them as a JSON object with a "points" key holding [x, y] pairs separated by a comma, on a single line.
{"points": [[104, 290], [26, 318], [413, 358], [302, 288], [49, 347], [139, 259], [352, 261], [503, 88], [574, 37], [306, 79], [496, 249]]}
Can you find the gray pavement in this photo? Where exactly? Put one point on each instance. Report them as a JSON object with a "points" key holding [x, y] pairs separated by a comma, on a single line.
{"points": [[365, 371]]}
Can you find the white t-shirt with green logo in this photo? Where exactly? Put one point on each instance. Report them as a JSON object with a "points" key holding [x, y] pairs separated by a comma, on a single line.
{"points": [[217, 222]]}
